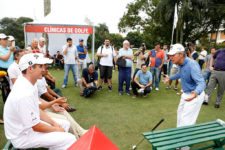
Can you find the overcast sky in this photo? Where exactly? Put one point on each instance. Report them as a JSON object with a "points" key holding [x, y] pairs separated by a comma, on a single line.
{"points": [[98, 11]]}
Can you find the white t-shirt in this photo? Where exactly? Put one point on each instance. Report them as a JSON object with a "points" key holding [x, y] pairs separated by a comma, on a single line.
{"points": [[13, 72], [202, 55], [42, 86], [108, 60], [42, 49], [69, 58], [21, 110]]}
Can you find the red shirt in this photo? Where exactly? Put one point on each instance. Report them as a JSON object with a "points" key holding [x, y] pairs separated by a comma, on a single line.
{"points": [[159, 54]]}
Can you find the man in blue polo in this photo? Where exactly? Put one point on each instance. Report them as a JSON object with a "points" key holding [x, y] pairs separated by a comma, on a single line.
{"points": [[142, 82], [82, 52], [193, 85]]}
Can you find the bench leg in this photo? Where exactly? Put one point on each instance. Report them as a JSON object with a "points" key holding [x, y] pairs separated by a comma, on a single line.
{"points": [[219, 145]]}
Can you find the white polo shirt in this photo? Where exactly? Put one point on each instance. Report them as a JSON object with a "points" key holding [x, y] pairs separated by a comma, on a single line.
{"points": [[42, 86], [69, 58], [202, 55], [13, 72], [21, 110], [106, 61]]}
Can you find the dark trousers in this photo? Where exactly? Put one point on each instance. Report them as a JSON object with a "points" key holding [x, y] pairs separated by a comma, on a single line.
{"points": [[4, 85], [124, 76], [136, 87], [201, 62]]}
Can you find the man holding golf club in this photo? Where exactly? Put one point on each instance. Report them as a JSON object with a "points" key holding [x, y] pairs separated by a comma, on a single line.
{"points": [[193, 86]]}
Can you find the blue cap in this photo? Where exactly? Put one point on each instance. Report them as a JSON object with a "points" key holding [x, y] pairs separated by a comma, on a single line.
{"points": [[81, 40]]}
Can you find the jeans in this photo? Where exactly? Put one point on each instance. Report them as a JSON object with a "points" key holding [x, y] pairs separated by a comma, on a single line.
{"points": [[206, 75], [67, 68], [155, 76], [124, 75]]}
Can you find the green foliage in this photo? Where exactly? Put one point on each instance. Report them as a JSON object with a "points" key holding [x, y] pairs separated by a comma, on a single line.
{"points": [[14, 27], [135, 38], [155, 19], [101, 33]]}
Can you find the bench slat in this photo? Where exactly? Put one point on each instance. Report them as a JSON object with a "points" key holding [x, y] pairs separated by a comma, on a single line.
{"points": [[188, 143], [190, 138], [181, 128], [177, 136], [175, 132]]}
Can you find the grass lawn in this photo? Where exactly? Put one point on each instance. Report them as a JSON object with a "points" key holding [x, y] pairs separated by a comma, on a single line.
{"points": [[122, 118]]}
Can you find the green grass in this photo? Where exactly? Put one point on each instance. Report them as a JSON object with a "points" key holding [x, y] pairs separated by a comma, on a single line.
{"points": [[123, 119]]}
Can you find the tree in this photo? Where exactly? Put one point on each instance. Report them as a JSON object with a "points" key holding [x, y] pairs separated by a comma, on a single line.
{"points": [[135, 38], [196, 18], [101, 32], [14, 27], [116, 40]]}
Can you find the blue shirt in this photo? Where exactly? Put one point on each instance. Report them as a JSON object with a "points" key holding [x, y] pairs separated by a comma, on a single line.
{"points": [[191, 77], [5, 64], [144, 78], [81, 49], [129, 52]]}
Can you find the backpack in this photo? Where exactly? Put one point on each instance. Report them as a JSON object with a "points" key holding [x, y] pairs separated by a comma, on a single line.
{"points": [[97, 66]]}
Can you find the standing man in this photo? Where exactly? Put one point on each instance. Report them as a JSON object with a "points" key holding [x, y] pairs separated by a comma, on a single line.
{"points": [[202, 57], [193, 86], [166, 60], [6, 59], [217, 77], [106, 53], [142, 81], [26, 126], [157, 60], [82, 52], [209, 66], [42, 46], [70, 57]]}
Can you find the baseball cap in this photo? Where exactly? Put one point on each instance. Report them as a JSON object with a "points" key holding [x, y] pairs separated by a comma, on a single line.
{"points": [[11, 38], [31, 59], [3, 36], [176, 48], [81, 40]]}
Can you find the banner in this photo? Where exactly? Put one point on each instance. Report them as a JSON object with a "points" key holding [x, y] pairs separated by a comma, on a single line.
{"points": [[59, 29], [175, 19]]}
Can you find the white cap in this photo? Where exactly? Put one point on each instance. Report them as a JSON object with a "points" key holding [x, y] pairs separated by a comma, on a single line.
{"points": [[42, 39], [176, 48], [11, 38], [3, 36], [31, 59]]}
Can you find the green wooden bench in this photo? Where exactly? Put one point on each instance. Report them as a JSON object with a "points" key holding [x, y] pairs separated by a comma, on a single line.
{"points": [[211, 132]]}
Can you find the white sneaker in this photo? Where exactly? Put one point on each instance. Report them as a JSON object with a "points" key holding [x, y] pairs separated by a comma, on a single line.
{"points": [[63, 86], [156, 89], [206, 98]]}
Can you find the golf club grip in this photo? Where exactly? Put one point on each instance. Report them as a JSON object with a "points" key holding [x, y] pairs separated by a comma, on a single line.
{"points": [[158, 124]]}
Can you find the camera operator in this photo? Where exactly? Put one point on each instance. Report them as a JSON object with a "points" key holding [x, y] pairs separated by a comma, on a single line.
{"points": [[89, 81], [140, 54]]}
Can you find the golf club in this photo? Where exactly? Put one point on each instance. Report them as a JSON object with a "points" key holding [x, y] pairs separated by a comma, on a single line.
{"points": [[134, 147]]}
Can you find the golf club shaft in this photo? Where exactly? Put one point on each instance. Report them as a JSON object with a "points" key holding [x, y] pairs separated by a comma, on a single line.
{"points": [[158, 124], [151, 130]]}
